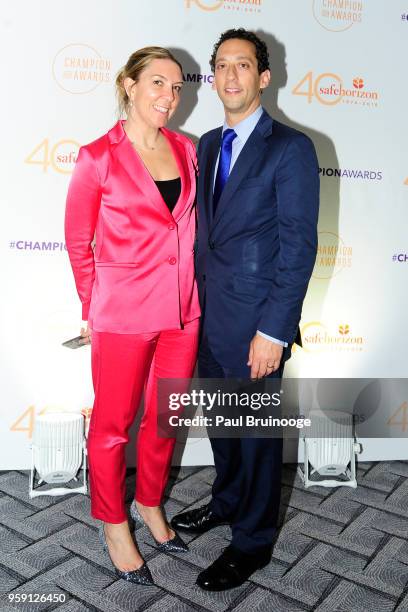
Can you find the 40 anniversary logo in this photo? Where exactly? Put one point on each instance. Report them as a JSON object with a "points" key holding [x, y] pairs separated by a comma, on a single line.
{"points": [[215, 5], [329, 89]]}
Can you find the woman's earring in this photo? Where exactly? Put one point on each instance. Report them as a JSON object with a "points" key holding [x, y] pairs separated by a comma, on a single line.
{"points": [[130, 103]]}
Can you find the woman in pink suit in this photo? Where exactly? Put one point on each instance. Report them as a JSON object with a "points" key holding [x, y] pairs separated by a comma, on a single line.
{"points": [[133, 191]]}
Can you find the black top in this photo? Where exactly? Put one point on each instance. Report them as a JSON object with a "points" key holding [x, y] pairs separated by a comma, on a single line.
{"points": [[170, 191]]}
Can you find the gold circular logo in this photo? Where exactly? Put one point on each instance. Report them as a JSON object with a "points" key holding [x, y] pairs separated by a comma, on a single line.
{"points": [[333, 255], [206, 5], [335, 18], [313, 334], [79, 68]]}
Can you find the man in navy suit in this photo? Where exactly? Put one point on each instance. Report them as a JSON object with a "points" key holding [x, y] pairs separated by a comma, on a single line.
{"points": [[258, 198]]}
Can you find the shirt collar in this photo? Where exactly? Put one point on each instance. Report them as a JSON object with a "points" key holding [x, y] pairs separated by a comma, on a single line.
{"points": [[244, 128]]}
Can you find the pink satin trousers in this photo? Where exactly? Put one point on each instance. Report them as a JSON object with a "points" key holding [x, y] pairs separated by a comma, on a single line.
{"points": [[123, 365]]}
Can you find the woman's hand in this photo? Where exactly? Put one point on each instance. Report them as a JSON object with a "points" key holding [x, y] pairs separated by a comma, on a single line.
{"points": [[86, 332]]}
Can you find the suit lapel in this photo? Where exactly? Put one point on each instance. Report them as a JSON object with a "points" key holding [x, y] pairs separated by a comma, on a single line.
{"points": [[207, 168], [184, 166], [140, 176], [253, 150]]}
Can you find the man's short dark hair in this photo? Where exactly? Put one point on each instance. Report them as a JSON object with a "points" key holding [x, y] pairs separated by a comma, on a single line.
{"points": [[261, 50]]}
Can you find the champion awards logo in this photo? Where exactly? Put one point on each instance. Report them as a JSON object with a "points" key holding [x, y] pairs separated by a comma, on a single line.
{"points": [[244, 6], [318, 337], [400, 258], [333, 256], [79, 68], [329, 89], [37, 245], [351, 173], [198, 78], [337, 15]]}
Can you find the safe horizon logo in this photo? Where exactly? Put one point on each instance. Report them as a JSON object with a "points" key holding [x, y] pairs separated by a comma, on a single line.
{"points": [[244, 6], [317, 337], [329, 89], [60, 156]]}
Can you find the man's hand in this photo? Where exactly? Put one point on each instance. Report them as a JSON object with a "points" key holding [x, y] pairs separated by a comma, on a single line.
{"points": [[264, 356]]}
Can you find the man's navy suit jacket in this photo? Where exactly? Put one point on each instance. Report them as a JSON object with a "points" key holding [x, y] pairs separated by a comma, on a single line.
{"points": [[255, 255]]}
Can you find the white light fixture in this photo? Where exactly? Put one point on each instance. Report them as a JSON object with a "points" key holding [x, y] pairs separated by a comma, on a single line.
{"points": [[57, 453], [330, 450]]}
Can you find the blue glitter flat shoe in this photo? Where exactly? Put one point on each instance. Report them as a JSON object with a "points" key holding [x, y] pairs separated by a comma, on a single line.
{"points": [[141, 575], [176, 544]]}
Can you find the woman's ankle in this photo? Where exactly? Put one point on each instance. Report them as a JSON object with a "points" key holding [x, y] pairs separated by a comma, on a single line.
{"points": [[117, 530], [141, 506]]}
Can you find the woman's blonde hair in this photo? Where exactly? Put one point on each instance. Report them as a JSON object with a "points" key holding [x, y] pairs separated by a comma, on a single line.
{"points": [[136, 63]]}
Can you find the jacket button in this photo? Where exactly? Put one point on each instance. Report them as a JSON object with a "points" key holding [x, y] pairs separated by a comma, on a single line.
{"points": [[172, 261], [171, 226], [211, 244]]}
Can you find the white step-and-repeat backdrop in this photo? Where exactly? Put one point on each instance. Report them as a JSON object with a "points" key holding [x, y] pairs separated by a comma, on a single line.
{"points": [[338, 74]]}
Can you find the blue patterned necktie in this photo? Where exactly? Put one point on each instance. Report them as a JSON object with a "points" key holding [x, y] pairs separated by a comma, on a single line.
{"points": [[223, 165]]}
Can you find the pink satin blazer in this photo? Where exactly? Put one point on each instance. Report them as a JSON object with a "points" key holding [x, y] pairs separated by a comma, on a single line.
{"points": [[139, 277]]}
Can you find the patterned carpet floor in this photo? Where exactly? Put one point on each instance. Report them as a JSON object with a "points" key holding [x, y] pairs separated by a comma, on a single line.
{"points": [[338, 550]]}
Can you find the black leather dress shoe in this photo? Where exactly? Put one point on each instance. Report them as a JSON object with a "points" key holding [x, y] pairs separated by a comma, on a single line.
{"points": [[199, 520], [231, 569]]}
